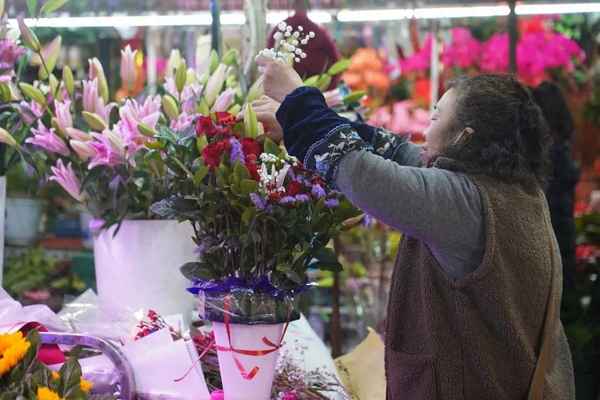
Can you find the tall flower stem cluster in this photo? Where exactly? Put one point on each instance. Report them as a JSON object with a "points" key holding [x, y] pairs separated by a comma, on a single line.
{"points": [[288, 44]]}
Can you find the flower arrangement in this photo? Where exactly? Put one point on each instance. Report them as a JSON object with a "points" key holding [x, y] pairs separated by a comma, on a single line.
{"points": [[463, 52], [22, 375]]}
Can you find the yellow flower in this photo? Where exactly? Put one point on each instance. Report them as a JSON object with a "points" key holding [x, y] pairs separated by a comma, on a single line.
{"points": [[86, 386], [55, 375], [13, 347], [44, 393]]}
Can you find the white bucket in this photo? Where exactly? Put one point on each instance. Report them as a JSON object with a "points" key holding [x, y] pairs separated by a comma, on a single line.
{"points": [[23, 217], [236, 385], [139, 267]]}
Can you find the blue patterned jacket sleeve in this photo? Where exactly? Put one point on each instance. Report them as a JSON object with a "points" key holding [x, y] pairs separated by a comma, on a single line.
{"points": [[320, 137]]}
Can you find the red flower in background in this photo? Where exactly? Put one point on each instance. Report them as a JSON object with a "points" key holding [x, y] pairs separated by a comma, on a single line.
{"points": [[213, 152], [251, 147], [205, 126]]}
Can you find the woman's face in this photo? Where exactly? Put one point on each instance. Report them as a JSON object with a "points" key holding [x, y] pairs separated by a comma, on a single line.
{"points": [[438, 134]]}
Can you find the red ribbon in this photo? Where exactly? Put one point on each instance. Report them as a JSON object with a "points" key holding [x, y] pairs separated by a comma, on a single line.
{"points": [[249, 375]]}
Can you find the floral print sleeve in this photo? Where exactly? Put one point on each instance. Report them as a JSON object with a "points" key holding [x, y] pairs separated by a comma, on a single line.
{"points": [[321, 138]]}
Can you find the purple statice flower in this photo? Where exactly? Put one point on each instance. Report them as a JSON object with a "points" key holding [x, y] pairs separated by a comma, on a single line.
{"points": [[318, 191], [287, 200], [237, 153], [368, 221], [259, 202], [302, 198], [332, 203]]}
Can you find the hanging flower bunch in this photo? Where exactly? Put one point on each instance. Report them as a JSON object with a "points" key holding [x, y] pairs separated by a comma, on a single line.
{"points": [[367, 70], [22, 375], [420, 61]]}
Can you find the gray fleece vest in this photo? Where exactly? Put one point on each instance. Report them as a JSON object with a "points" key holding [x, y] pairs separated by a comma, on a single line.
{"points": [[478, 338]]}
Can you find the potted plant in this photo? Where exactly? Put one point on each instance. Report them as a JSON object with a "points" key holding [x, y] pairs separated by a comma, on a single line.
{"points": [[23, 209]]}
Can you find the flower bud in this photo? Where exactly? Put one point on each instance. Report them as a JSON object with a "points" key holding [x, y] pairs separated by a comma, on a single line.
{"points": [[94, 121]]}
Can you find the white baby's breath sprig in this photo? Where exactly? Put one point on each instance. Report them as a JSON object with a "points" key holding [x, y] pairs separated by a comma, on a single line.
{"points": [[287, 44]]}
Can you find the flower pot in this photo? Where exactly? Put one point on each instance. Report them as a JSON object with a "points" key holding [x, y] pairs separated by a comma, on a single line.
{"points": [[2, 213], [246, 362], [139, 266], [23, 216]]}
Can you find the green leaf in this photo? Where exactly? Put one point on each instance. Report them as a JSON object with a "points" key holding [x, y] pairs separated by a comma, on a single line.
{"points": [[354, 97], [70, 377], [200, 174], [312, 81], [326, 260], [197, 270], [324, 82], [240, 171], [52, 5], [271, 147], [248, 186], [339, 67], [201, 143], [250, 122], [248, 215], [32, 8]]}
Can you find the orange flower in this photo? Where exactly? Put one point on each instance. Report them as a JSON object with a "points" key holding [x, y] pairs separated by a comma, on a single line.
{"points": [[13, 347], [85, 385], [55, 375], [44, 393]]}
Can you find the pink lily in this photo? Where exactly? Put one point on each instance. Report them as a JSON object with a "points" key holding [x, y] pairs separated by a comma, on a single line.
{"points": [[132, 114], [65, 177], [224, 101], [94, 103], [183, 122], [30, 112], [78, 134], [48, 140], [109, 151], [128, 73], [63, 114], [84, 150]]}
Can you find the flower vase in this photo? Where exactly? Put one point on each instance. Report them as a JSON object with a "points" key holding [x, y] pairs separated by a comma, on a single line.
{"points": [[2, 213], [247, 359], [249, 327], [138, 267]]}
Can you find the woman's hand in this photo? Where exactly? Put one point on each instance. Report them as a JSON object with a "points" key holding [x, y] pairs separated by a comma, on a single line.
{"points": [[265, 109], [280, 79]]}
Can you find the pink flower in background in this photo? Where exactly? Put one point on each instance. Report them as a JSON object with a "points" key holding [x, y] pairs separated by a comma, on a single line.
{"points": [[109, 150], [405, 118], [132, 114], [63, 114], [188, 97], [94, 103], [30, 112], [333, 98], [419, 61], [289, 396], [48, 140], [128, 67], [464, 50], [494, 54], [183, 122], [224, 101], [65, 177]]}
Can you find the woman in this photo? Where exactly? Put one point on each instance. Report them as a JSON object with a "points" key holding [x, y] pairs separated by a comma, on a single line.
{"points": [[474, 295], [565, 174]]}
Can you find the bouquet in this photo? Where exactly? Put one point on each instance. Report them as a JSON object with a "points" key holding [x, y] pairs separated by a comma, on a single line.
{"points": [[22, 375]]}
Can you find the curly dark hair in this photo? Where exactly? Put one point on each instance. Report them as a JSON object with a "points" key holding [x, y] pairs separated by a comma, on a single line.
{"points": [[510, 139]]}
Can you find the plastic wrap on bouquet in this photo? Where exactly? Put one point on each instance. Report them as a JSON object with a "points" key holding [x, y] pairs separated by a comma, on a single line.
{"points": [[139, 265]]}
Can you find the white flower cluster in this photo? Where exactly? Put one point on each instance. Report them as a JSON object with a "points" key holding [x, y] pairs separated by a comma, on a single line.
{"points": [[288, 44]]}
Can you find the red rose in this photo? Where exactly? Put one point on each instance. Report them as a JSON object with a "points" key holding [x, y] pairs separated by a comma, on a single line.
{"points": [[275, 196], [293, 188], [225, 119], [251, 146], [253, 170], [205, 126], [213, 152]]}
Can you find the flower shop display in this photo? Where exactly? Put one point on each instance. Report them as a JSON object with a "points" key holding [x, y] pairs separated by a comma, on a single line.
{"points": [[260, 220], [403, 117]]}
